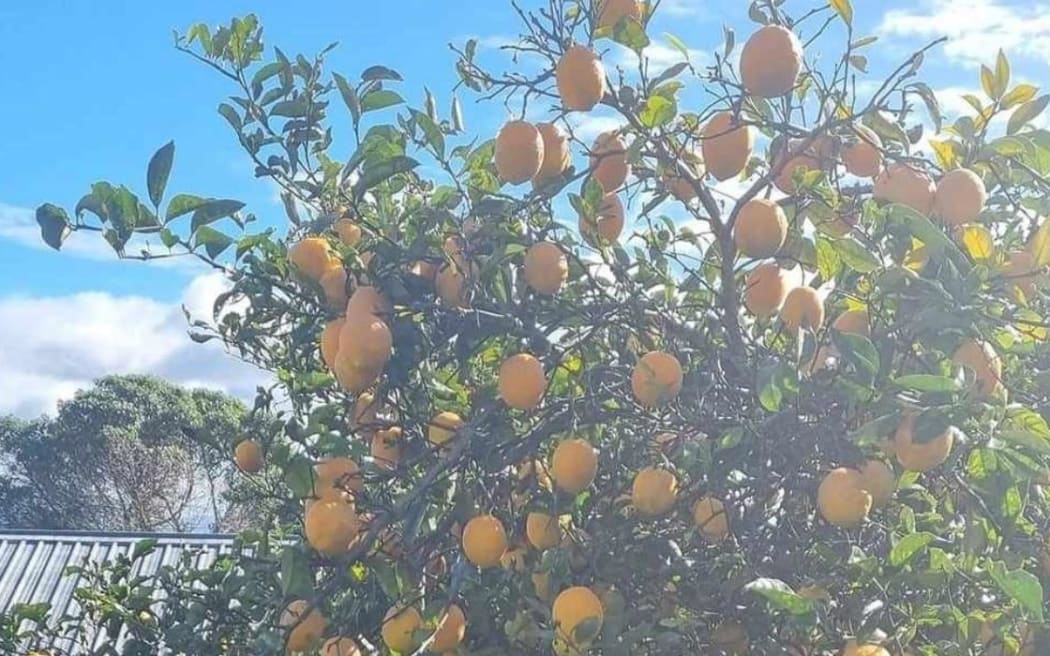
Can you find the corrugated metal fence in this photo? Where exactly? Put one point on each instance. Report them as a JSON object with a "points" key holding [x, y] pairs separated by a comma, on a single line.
{"points": [[33, 564]]}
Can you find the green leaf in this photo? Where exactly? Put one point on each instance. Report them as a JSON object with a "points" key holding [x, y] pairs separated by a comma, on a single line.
{"points": [[213, 210], [988, 82], [158, 171], [54, 224], [231, 116], [353, 103], [213, 241], [677, 44], [168, 238], [859, 62], [909, 546], [828, 262], [933, 106], [432, 132], [1002, 74], [183, 204], [780, 595], [886, 129], [844, 10], [1023, 587], [630, 33], [927, 383], [297, 108], [856, 256], [143, 548], [381, 172], [380, 99], [299, 477], [457, 115], [729, 41], [373, 73], [1025, 113], [769, 393], [658, 111], [1028, 439], [859, 351], [296, 580]]}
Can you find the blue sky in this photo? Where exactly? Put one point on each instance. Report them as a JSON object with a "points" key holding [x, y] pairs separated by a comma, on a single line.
{"points": [[93, 88]]}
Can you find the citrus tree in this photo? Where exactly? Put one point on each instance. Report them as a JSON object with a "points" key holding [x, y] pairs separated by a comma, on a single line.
{"points": [[762, 370]]}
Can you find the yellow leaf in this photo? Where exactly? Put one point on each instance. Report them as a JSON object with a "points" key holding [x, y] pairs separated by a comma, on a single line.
{"points": [[844, 9], [1031, 325], [978, 242], [1022, 93], [1039, 245], [945, 152]]}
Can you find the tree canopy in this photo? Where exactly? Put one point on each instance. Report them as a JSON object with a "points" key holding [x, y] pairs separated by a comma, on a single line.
{"points": [[761, 370], [131, 453]]}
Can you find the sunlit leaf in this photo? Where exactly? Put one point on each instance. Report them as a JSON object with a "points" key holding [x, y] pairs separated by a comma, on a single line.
{"points": [[844, 9], [978, 242]]}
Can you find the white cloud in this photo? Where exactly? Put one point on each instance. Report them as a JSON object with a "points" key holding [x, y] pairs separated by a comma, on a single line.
{"points": [[586, 127], [660, 56], [679, 8], [976, 29], [57, 345]]}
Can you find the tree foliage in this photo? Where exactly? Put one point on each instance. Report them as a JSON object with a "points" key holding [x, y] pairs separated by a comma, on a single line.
{"points": [[131, 453], [774, 415]]}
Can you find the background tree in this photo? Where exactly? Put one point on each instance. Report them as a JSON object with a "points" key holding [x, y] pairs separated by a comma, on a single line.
{"points": [[130, 453], [808, 419]]}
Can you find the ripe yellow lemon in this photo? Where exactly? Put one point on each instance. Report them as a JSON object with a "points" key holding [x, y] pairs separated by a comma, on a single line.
{"points": [[337, 477], [863, 156], [765, 290], [803, 309], [546, 267], [853, 322], [577, 615], [726, 145], [556, 154], [453, 284], [905, 185], [605, 228], [608, 161], [654, 491], [386, 447], [484, 541], [771, 61], [788, 170], [331, 525], [580, 79], [399, 628], [451, 630], [443, 427], [611, 12], [574, 465], [348, 231], [305, 625], [879, 481], [333, 284], [960, 197], [365, 342], [842, 499], [761, 228], [690, 161], [522, 381], [514, 559], [519, 152], [341, 646], [248, 456], [368, 301], [656, 378], [917, 456], [709, 515], [330, 341], [352, 377], [981, 358], [543, 531], [853, 649], [311, 257]]}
